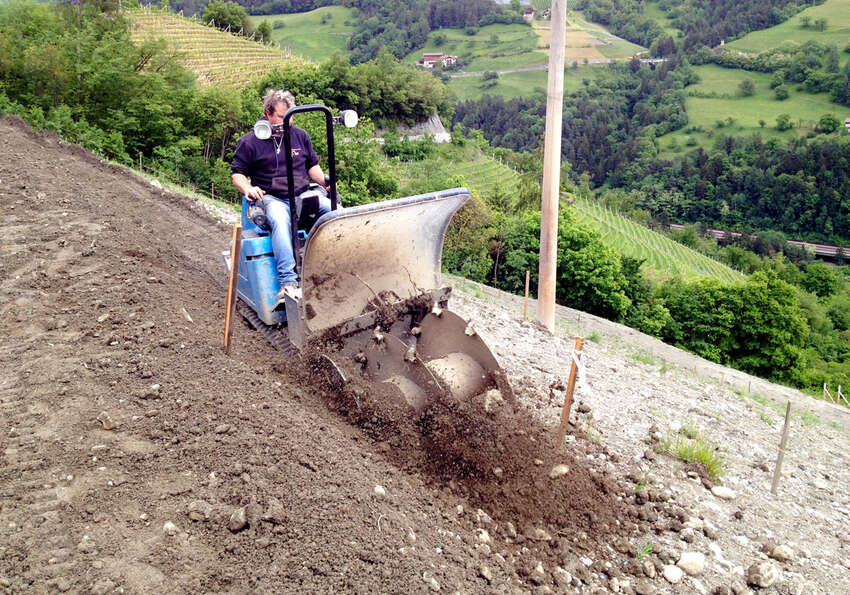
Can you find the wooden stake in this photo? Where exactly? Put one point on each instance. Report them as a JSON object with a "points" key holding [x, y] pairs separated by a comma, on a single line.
{"points": [[778, 471], [552, 168], [525, 302], [568, 396], [235, 250], [212, 190]]}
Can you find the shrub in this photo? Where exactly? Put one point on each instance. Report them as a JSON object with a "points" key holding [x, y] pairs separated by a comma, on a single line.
{"points": [[827, 123], [747, 88]]}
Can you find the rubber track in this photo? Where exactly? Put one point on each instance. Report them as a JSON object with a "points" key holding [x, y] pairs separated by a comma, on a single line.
{"points": [[277, 335]]}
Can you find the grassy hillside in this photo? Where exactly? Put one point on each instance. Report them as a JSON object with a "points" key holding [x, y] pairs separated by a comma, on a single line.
{"points": [[836, 13], [315, 35], [492, 180], [505, 47], [518, 84], [654, 12], [714, 100], [494, 47], [583, 33], [215, 56]]}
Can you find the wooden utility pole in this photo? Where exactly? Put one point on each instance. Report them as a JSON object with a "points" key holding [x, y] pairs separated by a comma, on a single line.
{"points": [[232, 285], [568, 396], [552, 168]]}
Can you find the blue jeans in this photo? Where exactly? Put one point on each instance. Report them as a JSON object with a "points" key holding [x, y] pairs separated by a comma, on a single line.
{"points": [[277, 212]]}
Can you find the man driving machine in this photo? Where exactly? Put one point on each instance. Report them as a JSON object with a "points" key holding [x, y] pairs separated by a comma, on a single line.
{"points": [[258, 171]]}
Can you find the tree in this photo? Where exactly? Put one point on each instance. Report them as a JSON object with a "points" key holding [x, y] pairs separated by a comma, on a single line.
{"points": [[781, 92], [770, 328], [264, 31], [820, 280], [805, 21], [590, 275], [820, 24], [228, 15], [831, 63], [747, 88], [703, 316], [827, 123]]}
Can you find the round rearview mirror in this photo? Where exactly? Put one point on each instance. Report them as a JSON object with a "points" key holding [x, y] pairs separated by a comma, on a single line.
{"points": [[349, 118], [263, 129]]}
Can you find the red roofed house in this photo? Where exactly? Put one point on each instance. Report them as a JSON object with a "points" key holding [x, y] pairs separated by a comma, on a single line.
{"points": [[428, 60]]}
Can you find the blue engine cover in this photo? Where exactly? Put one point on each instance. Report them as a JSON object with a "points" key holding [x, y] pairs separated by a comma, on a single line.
{"points": [[258, 282]]}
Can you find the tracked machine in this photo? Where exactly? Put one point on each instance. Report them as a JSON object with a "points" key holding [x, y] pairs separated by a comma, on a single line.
{"points": [[371, 304]]}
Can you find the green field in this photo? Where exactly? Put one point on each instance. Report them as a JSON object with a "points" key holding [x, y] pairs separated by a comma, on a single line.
{"points": [[494, 47], [836, 13], [308, 36], [490, 179], [511, 85], [706, 111]]}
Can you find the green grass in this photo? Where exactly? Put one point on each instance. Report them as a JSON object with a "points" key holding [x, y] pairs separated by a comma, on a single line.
{"points": [[654, 12], [494, 47], [804, 416], [836, 13], [694, 448], [511, 85], [715, 99], [663, 257], [308, 36], [644, 358]]}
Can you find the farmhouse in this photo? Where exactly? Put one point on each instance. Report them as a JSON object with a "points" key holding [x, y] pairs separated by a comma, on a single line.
{"points": [[430, 59], [528, 14], [847, 124]]}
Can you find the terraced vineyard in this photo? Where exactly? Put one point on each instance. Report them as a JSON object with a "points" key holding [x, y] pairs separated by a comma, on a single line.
{"points": [[217, 57], [488, 178], [481, 173], [662, 255]]}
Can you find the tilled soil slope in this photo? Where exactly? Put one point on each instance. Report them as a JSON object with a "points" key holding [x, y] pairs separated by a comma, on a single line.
{"points": [[137, 456]]}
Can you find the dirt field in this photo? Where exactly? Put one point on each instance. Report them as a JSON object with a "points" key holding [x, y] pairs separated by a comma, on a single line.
{"points": [[138, 458]]}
